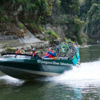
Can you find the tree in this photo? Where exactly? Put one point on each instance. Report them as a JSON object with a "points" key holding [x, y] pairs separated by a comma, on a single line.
{"points": [[70, 6], [93, 21]]}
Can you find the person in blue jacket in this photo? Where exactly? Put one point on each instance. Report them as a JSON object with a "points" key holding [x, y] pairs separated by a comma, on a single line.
{"points": [[50, 54]]}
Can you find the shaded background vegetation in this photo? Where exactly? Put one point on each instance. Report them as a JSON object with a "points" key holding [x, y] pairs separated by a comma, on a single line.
{"points": [[79, 17]]}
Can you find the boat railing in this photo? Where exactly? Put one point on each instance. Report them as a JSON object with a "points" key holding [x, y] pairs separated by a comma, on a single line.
{"points": [[13, 55]]}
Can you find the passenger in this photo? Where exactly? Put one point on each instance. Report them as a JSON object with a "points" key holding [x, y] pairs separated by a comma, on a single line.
{"points": [[33, 53], [22, 50], [50, 54], [18, 51]]}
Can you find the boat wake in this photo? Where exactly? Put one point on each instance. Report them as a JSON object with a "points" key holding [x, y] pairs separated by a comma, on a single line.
{"points": [[11, 81], [85, 75]]}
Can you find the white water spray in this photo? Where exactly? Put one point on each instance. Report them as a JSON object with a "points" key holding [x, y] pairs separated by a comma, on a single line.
{"points": [[85, 75], [11, 80]]}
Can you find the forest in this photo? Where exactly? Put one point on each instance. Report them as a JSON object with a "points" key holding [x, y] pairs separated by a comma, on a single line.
{"points": [[77, 20]]}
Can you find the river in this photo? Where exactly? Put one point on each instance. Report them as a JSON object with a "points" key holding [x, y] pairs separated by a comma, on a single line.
{"points": [[81, 83]]}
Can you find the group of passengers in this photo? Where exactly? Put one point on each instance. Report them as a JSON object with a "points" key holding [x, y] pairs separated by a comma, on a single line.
{"points": [[49, 54], [62, 50], [20, 51]]}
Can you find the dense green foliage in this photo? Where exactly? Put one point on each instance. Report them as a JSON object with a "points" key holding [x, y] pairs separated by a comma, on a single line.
{"points": [[35, 9], [81, 17], [86, 5], [93, 21], [70, 6], [90, 13]]}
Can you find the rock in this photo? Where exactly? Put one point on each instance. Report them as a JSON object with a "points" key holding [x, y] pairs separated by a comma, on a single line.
{"points": [[40, 36]]}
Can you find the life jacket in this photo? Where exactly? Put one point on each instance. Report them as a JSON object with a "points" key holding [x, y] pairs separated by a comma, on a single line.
{"points": [[18, 52], [49, 56], [46, 54], [53, 57], [33, 53]]}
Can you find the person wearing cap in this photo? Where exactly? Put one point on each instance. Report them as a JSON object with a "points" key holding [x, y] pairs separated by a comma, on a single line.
{"points": [[33, 53], [50, 54]]}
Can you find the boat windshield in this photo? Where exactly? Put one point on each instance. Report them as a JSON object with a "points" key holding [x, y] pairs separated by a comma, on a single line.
{"points": [[8, 56], [17, 56]]}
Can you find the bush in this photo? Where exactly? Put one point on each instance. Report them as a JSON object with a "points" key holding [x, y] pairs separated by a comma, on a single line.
{"points": [[52, 33], [10, 50], [21, 26], [93, 20], [83, 38]]}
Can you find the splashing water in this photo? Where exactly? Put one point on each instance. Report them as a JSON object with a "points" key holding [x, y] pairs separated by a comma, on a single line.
{"points": [[11, 80], [83, 76]]}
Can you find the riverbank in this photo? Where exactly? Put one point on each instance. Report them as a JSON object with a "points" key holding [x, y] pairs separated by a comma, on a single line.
{"points": [[14, 44]]}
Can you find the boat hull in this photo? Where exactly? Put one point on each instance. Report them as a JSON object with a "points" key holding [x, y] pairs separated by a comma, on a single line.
{"points": [[30, 73], [28, 67]]}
